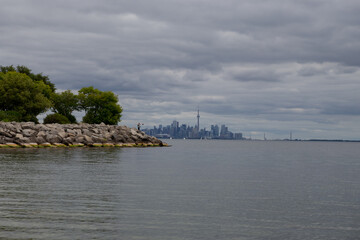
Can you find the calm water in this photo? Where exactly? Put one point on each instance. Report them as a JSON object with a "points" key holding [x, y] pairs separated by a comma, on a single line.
{"points": [[192, 190]]}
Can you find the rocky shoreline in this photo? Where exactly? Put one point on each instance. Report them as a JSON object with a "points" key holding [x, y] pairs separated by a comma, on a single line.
{"points": [[29, 134]]}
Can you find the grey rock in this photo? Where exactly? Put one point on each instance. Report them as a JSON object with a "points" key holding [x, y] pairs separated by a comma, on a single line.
{"points": [[51, 138], [71, 133], [80, 139], [40, 139], [18, 136], [6, 134], [86, 132], [28, 125], [88, 139], [62, 134], [95, 130], [41, 134], [29, 132], [68, 140]]}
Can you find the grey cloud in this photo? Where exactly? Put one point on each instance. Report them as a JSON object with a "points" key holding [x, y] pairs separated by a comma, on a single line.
{"points": [[352, 109], [257, 75], [274, 60], [308, 71]]}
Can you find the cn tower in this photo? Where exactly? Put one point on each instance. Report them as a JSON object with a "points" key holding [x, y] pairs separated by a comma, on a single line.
{"points": [[198, 121]]}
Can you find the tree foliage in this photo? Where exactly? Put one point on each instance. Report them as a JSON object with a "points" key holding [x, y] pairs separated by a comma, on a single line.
{"points": [[99, 106], [65, 103], [35, 77], [18, 92], [24, 95], [10, 116]]}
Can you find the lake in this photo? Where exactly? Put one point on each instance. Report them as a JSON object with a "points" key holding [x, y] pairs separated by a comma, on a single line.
{"points": [[196, 189]]}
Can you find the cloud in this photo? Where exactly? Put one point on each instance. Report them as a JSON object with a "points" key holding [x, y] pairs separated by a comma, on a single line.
{"points": [[254, 65]]}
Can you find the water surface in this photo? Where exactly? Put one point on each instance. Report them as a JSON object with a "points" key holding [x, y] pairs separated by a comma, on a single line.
{"points": [[192, 190]]}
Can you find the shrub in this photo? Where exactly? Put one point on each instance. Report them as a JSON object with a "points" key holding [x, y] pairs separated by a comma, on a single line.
{"points": [[10, 116], [56, 118]]}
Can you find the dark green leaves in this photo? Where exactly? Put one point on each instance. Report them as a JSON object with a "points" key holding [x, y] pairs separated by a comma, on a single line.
{"points": [[99, 106]]}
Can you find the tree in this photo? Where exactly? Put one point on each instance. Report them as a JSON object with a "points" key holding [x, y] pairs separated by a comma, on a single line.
{"points": [[19, 93], [65, 103], [99, 106], [35, 77]]}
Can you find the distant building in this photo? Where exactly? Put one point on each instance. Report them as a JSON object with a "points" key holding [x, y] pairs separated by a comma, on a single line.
{"points": [[175, 130], [238, 136]]}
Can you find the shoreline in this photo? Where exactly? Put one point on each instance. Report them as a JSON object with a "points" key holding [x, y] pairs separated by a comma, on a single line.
{"points": [[94, 145], [31, 135]]}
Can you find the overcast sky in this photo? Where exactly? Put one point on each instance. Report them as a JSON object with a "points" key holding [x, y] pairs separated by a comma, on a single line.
{"points": [[258, 66]]}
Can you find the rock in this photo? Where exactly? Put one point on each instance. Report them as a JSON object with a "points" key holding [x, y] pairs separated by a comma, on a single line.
{"points": [[80, 139], [6, 134], [41, 134], [70, 131], [108, 145], [94, 130], [53, 138], [86, 132], [62, 134], [59, 145], [28, 132], [98, 139], [28, 125], [88, 139], [77, 145], [68, 140], [46, 144], [7, 139], [26, 145], [118, 138], [73, 135], [40, 140], [18, 136]]}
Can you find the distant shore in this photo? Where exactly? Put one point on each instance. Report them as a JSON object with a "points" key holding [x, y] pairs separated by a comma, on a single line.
{"points": [[270, 140]]}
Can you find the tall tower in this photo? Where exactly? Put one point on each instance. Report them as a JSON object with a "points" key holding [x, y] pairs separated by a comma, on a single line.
{"points": [[198, 121]]}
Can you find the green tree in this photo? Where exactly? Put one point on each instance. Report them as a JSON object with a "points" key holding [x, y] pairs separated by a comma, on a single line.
{"points": [[19, 93], [35, 77], [65, 103], [99, 106]]}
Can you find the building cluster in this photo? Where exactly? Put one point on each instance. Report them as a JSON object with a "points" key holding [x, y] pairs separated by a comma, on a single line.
{"points": [[177, 131]]}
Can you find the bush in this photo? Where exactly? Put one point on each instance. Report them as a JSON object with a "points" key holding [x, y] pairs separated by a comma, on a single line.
{"points": [[10, 116], [56, 118]]}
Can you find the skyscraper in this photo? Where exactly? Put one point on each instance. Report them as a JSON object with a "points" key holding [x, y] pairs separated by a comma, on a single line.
{"points": [[198, 121]]}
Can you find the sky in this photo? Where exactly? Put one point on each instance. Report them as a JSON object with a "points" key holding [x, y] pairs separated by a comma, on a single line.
{"points": [[258, 66]]}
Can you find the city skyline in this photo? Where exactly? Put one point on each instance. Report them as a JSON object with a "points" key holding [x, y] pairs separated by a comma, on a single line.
{"points": [[184, 131], [207, 131]]}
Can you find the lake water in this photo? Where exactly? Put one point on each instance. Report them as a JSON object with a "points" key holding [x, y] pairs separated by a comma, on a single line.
{"points": [[195, 189]]}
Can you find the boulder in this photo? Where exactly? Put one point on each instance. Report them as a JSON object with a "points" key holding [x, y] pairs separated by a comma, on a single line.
{"points": [[28, 132], [73, 134]]}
